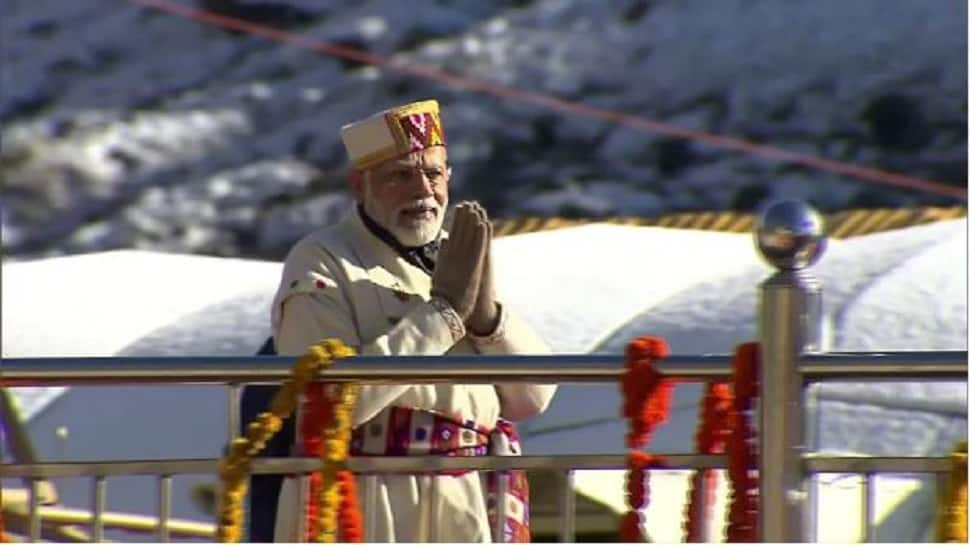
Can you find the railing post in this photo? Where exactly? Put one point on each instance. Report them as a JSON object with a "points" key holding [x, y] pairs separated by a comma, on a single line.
{"points": [[790, 236], [567, 528], [97, 513], [370, 506]]}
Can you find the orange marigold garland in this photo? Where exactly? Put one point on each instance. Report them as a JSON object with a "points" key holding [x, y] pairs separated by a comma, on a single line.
{"points": [[234, 467], [316, 412], [951, 524], [351, 520], [742, 460], [3, 535], [325, 432], [646, 405], [712, 435], [338, 446]]}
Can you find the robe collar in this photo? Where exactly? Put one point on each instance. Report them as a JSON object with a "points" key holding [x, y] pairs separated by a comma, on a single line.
{"points": [[422, 257]]}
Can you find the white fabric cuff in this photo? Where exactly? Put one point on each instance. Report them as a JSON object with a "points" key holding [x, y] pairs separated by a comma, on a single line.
{"points": [[496, 336]]}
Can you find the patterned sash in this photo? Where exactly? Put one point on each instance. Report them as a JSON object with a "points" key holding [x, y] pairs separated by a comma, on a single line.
{"points": [[401, 431]]}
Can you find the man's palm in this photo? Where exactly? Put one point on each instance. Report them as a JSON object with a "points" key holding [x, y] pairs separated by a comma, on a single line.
{"points": [[457, 275]]}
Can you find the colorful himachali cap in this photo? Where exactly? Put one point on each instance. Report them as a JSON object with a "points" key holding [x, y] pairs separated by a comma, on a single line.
{"points": [[392, 133]]}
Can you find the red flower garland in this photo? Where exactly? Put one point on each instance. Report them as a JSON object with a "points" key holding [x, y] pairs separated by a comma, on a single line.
{"points": [[638, 492], [712, 435], [646, 405], [351, 521], [318, 412], [742, 460], [646, 396]]}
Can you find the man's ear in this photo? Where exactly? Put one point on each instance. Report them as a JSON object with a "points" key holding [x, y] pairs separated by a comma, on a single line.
{"points": [[356, 180]]}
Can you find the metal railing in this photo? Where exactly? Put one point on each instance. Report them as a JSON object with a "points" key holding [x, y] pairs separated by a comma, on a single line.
{"points": [[164, 527], [468, 369], [789, 236]]}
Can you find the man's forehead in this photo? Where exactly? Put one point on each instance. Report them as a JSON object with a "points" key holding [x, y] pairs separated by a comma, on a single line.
{"points": [[431, 156]]}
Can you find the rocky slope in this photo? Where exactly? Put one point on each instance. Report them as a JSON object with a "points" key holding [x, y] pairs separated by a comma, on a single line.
{"points": [[127, 127]]}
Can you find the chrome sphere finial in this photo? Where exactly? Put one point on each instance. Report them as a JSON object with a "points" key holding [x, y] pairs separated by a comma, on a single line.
{"points": [[790, 235]]}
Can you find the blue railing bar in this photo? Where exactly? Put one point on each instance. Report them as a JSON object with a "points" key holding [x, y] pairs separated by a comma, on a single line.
{"points": [[885, 366]]}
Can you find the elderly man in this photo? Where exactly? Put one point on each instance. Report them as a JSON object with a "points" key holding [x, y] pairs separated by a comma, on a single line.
{"points": [[387, 280]]}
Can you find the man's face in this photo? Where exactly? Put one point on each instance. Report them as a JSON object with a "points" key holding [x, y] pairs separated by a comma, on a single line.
{"points": [[408, 195]]}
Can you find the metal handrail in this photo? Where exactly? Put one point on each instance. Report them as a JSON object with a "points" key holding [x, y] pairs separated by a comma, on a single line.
{"points": [[468, 369], [120, 521], [566, 464], [907, 365], [940, 365], [418, 464]]}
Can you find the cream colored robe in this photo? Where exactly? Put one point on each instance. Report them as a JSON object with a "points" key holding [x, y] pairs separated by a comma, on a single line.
{"points": [[344, 282]]}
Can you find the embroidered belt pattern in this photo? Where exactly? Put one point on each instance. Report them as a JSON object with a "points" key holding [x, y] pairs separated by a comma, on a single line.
{"points": [[402, 431]]}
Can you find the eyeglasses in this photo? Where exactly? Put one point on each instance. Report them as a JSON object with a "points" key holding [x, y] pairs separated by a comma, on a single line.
{"points": [[403, 175]]}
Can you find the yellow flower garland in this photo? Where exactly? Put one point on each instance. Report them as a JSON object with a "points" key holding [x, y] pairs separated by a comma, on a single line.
{"points": [[951, 523], [3, 535], [234, 467], [337, 441]]}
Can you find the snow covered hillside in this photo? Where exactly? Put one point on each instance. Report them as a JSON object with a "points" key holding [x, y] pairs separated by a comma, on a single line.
{"points": [[124, 127]]}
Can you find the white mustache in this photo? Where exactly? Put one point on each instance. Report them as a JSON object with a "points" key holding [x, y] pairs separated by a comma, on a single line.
{"points": [[430, 204]]}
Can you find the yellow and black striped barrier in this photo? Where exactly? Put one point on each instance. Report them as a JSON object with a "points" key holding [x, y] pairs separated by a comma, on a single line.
{"points": [[845, 224]]}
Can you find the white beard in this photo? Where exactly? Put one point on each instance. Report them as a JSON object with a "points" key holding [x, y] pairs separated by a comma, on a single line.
{"points": [[418, 234]]}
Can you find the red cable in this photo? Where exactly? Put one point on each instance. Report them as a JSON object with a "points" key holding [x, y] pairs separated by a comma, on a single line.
{"points": [[633, 121]]}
